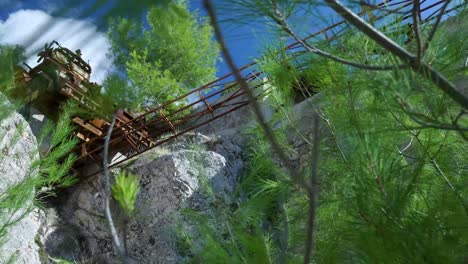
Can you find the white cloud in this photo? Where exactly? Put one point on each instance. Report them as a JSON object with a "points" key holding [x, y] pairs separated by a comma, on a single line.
{"points": [[22, 27]]}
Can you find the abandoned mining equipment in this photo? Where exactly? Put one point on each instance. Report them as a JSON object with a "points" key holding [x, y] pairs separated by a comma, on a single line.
{"points": [[62, 75]]}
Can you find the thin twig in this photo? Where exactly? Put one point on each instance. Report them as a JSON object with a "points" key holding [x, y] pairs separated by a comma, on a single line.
{"points": [[313, 193], [269, 134], [417, 32], [436, 24], [455, 123], [423, 69], [335, 138], [406, 147], [416, 117], [437, 126], [281, 21], [433, 161], [380, 8], [115, 237]]}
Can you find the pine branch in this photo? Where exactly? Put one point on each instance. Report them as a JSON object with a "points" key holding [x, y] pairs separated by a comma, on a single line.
{"points": [[281, 21], [423, 69], [431, 122], [432, 158]]}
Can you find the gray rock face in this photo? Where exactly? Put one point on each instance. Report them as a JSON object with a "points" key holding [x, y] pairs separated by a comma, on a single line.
{"points": [[172, 178], [18, 149]]}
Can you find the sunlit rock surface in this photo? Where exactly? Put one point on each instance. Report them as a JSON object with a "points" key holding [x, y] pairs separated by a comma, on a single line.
{"points": [[18, 150]]}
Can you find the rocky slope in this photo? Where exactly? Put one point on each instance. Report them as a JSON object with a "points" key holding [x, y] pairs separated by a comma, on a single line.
{"points": [[171, 179]]}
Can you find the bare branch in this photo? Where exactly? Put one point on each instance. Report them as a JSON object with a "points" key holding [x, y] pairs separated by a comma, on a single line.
{"points": [[313, 193], [436, 126], [417, 32], [455, 123], [423, 69], [115, 237], [462, 112], [277, 149]]}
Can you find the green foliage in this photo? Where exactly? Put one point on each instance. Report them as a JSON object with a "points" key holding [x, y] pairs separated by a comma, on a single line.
{"points": [[248, 11], [118, 92], [63, 261], [388, 197], [174, 54], [242, 235], [11, 57], [125, 190], [55, 164], [392, 190], [224, 246]]}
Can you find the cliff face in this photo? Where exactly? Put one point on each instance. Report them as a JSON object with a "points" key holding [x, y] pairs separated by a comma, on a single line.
{"points": [[18, 150]]}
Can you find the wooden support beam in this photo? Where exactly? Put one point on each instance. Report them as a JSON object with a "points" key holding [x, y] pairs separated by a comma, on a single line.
{"points": [[87, 125]]}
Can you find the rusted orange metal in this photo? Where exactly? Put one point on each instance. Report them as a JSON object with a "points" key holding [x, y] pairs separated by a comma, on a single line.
{"points": [[62, 75]]}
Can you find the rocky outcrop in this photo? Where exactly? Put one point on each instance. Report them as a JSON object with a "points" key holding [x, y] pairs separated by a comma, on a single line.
{"points": [[18, 150], [171, 178]]}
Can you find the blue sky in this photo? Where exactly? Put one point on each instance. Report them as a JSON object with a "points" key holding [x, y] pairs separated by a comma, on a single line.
{"points": [[244, 41]]}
